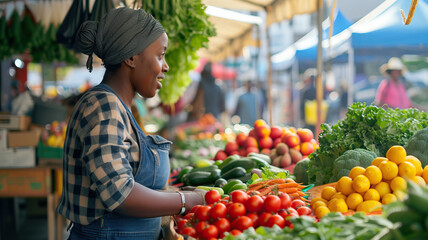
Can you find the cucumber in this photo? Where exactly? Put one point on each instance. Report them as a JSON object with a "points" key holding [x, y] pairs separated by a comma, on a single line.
{"points": [[229, 159], [246, 177], [196, 178], [205, 169], [182, 172], [260, 163], [234, 173], [230, 184], [262, 156], [206, 188], [220, 182], [215, 174], [239, 186], [245, 163]]}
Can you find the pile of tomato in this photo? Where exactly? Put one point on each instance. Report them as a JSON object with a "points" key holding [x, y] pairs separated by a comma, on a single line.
{"points": [[239, 211]]}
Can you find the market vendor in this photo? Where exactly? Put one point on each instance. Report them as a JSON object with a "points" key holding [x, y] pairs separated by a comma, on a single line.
{"points": [[114, 173]]}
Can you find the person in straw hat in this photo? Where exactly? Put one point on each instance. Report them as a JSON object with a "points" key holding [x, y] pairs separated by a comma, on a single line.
{"points": [[391, 92]]}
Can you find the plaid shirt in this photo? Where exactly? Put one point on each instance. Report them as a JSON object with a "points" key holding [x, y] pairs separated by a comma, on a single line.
{"points": [[101, 156]]}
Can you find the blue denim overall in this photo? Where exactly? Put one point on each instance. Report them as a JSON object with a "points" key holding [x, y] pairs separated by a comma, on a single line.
{"points": [[152, 172]]}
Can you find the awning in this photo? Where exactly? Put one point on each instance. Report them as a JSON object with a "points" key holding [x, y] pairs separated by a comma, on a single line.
{"points": [[232, 38]]}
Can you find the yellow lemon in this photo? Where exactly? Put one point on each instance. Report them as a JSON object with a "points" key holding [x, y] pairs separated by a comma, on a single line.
{"points": [[318, 204], [353, 200], [399, 194], [321, 211], [415, 161], [339, 195], [355, 171], [389, 170], [371, 194], [344, 185], [374, 174], [369, 206], [378, 160], [425, 174], [396, 154], [398, 183], [419, 180], [328, 192], [389, 198], [383, 188], [316, 199], [337, 205], [406, 170], [361, 184]]}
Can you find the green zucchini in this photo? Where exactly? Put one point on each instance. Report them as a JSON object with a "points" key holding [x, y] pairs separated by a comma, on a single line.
{"points": [[230, 184], [234, 173], [220, 182], [245, 163], [196, 178], [215, 174], [262, 156], [229, 159], [239, 186], [182, 172], [246, 177], [205, 169]]}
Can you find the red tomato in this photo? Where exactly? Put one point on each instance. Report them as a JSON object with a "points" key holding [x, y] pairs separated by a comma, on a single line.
{"points": [[212, 196], [285, 201], [242, 223], [236, 210], [254, 204], [189, 231], [213, 238], [272, 203], [296, 203], [223, 225], [193, 210], [304, 211], [238, 196], [290, 212], [200, 226], [182, 223], [222, 235], [276, 220], [235, 232], [219, 210], [254, 217], [263, 218], [202, 213], [188, 216], [210, 232]]}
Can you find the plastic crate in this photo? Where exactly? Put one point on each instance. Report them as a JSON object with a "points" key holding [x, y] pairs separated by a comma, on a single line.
{"points": [[44, 151]]}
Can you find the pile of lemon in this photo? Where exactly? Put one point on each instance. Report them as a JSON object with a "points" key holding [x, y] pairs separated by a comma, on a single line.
{"points": [[366, 189]]}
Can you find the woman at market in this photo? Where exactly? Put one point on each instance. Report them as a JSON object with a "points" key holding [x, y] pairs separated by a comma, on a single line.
{"points": [[114, 173], [391, 91]]}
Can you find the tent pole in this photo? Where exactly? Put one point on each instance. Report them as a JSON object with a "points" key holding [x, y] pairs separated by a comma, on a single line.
{"points": [[318, 86], [269, 75], [351, 62]]}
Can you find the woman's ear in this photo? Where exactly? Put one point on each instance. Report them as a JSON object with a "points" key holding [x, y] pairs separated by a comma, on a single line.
{"points": [[130, 62]]}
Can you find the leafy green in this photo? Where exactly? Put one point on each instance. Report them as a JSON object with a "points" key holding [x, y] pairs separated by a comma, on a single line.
{"points": [[368, 127], [332, 226], [188, 30]]}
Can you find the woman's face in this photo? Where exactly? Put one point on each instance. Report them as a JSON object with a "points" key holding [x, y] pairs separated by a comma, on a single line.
{"points": [[150, 68]]}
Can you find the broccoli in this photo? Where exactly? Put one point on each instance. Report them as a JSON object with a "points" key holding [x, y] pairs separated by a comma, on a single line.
{"points": [[349, 159], [418, 146], [301, 171]]}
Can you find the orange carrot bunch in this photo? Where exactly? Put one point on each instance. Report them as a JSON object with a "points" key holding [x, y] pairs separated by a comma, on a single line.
{"points": [[277, 186]]}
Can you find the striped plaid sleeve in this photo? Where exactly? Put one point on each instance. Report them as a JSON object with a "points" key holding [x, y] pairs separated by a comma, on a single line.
{"points": [[105, 150]]}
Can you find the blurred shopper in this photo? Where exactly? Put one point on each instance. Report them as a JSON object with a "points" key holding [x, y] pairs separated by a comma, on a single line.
{"points": [[114, 174], [391, 92], [249, 104], [209, 97]]}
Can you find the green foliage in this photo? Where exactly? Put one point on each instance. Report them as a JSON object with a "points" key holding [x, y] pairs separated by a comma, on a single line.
{"points": [[349, 159], [188, 30], [368, 127], [418, 146]]}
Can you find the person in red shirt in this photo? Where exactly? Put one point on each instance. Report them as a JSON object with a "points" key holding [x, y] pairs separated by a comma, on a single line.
{"points": [[391, 92]]}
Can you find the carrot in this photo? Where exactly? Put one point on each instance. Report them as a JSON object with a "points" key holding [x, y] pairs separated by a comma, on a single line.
{"points": [[265, 191], [302, 194], [288, 190], [304, 200], [255, 188], [294, 195], [289, 180], [288, 185]]}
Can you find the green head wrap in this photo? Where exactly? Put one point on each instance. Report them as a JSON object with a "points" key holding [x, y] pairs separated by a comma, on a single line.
{"points": [[119, 35]]}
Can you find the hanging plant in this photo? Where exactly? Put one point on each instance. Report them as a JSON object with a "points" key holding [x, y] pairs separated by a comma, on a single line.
{"points": [[188, 30]]}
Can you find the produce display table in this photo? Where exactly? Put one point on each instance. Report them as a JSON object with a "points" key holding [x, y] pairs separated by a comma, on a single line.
{"points": [[36, 182]]}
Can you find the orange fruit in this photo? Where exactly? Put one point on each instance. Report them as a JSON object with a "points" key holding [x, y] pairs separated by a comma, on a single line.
{"points": [[389, 170], [396, 154], [415, 161], [406, 170]]}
